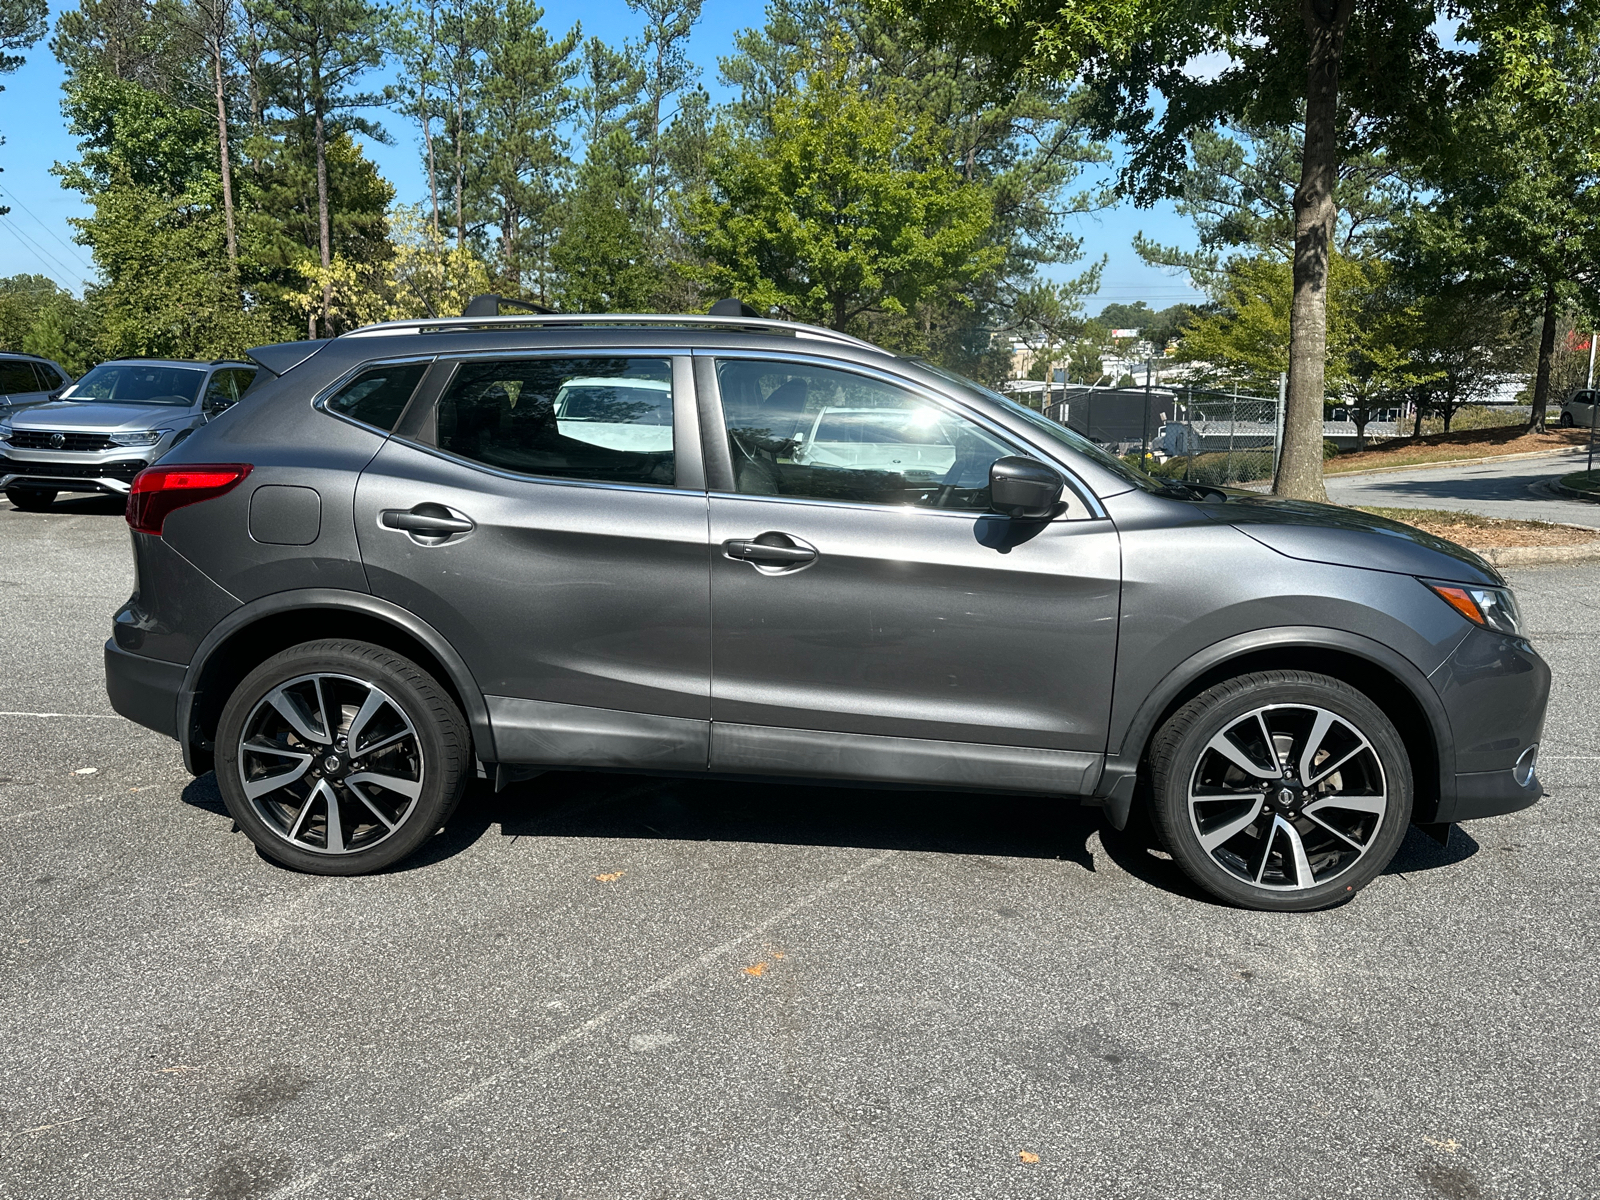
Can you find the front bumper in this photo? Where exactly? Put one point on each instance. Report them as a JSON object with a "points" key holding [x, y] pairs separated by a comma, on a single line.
{"points": [[71, 473], [144, 689], [1495, 689]]}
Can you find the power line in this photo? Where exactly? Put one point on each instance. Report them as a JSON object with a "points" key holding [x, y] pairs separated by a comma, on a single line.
{"points": [[49, 260], [73, 250]]}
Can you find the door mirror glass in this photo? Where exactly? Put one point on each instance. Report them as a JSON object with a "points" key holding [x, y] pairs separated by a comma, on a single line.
{"points": [[1024, 489]]}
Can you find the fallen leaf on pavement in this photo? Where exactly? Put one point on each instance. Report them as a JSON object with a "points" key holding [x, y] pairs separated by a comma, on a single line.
{"points": [[1026, 1157], [758, 969], [611, 878]]}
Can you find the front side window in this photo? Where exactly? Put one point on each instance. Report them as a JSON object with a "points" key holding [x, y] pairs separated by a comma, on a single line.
{"points": [[818, 433], [605, 420], [128, 383], [379, 394]]}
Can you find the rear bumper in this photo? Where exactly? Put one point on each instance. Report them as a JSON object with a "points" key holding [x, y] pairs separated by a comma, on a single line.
{"points": [[144, 689]]}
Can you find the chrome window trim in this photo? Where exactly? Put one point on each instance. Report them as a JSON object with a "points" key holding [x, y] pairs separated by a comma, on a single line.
{"points": [[1090, 502]]}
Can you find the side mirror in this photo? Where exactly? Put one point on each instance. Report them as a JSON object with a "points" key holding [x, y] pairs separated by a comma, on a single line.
{"points": [[214, 405], [1024, 489]]}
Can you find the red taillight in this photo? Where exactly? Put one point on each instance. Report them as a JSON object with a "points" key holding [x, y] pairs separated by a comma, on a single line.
{"points": [[159, 490]]}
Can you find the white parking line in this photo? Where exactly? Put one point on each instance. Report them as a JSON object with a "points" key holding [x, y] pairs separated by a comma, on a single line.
{"points": [[83, 716], [41, 811], [578, 1032]]}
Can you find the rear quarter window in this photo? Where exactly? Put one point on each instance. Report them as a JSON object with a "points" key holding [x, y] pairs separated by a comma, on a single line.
{"points": [[378, 395]]}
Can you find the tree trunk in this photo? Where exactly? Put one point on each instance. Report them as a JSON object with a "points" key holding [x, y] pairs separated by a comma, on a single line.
{"points": [[1547, 346], [222, 142], [1416, 427], [1300, 463], [433, 178], [1361, 417], [324, 229]]}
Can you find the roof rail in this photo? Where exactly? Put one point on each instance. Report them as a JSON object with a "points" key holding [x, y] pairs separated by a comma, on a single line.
{"points": [[643, 320]]}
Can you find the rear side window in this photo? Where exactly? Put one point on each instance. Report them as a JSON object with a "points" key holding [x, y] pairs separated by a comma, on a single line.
{"points": [[607, 420], [17, 377], [378, 395]]}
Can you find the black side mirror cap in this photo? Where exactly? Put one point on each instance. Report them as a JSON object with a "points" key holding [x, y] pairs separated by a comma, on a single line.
{"points": [[1024, 489]]}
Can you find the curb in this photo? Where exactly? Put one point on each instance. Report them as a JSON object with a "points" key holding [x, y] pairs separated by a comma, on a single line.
{"points": [[1456, 462], [1560, 489], [1537, 556]]}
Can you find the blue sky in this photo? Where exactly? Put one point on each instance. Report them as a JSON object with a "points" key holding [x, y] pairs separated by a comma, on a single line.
{"points": [[36, 238]]}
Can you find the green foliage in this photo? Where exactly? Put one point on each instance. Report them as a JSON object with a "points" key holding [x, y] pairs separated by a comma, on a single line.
{"points": [[845, 206], [38, 317]]}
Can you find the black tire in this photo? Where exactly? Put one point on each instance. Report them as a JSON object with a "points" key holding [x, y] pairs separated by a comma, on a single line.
{"points": [[1330, 843], [31, 499], [1566, 421], [336, 676]]}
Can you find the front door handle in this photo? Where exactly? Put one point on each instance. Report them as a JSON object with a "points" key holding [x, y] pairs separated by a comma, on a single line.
{"points": [[427, 520], [771, 550]]}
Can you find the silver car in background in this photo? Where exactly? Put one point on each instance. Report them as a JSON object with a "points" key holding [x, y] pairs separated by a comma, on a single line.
{"points": [[110, 425]]}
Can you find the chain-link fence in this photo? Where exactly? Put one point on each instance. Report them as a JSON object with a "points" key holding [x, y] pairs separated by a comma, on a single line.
{"points": [[1197, 434]]}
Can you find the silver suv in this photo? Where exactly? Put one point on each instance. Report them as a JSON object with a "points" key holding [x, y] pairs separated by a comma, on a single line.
{"points": [[100, 432]]}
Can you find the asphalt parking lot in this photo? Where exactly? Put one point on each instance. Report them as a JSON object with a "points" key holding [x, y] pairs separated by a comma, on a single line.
{"points": [[606, 986]]}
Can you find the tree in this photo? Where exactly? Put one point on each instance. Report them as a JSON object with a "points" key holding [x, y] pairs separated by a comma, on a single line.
{"points": [[845, 207], [416, 37], [39, 317], [666, 72], [1355, 74], [1027, 147], [1517, 213], [323, 47], [525, 99]]}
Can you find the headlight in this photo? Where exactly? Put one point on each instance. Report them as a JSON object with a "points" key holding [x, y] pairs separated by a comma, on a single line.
{"points": [[1493, 608], [5, 431], [144, 437]]}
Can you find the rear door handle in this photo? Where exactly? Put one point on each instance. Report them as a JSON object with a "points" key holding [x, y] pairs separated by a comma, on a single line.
{"points": [[770, 550], [426, 520]]}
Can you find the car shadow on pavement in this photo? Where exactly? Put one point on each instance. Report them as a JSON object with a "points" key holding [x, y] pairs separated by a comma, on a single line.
{"points": [[89, 505], [596, 804]]}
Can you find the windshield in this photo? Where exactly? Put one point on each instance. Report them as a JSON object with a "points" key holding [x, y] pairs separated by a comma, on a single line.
{"points": [[1058, 433], [126, 383]]}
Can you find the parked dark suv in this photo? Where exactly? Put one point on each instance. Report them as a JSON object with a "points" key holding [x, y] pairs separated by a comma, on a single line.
{"points": [[745, 547]]}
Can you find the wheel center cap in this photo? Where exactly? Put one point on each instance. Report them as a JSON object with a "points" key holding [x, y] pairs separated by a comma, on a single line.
{"points": [[1285, 796], [332, 763]]}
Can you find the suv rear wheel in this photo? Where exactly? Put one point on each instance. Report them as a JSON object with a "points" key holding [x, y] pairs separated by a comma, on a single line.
{"points": [[31, 499], [1284, 790], [340, 757]]}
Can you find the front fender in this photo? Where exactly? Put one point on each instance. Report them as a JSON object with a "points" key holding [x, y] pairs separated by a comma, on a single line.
{"points": [[1122, 763]]}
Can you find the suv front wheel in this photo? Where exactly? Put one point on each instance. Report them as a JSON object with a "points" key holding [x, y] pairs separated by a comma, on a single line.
{"points": [[340, 757], [1284, 790]]}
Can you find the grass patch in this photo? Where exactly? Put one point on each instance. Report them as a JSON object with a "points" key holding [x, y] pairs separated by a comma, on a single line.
{"points": [[1490, 442], [1587, 482], [1487, 533]]}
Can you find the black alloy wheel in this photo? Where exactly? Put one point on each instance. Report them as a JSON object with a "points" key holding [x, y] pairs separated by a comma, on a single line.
{"points": [[1285, 791], [341, 758]]}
